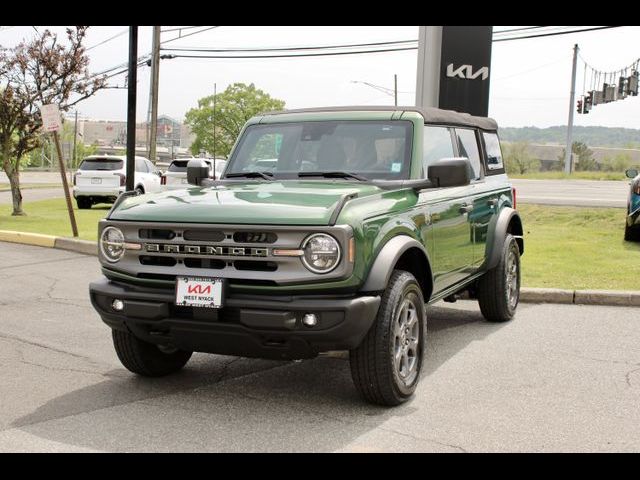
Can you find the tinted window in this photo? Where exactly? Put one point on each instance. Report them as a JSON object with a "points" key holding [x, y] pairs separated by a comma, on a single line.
{"points": [[374, 149], [101, 164], [494, 154], [468, 147], [141, 166], [437, 145]]}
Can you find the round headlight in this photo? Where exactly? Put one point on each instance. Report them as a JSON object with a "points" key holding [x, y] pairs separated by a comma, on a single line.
{"points": [[321, 253], [112, 244]]}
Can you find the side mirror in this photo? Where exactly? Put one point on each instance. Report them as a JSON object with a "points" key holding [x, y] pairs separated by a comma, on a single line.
{"points": [[631, 173], [450, 172], [197, 170]]}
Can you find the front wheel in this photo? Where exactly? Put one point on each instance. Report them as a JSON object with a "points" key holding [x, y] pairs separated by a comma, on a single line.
{"points": [[631, 234], [145, 358], [499, 288], [386, 366]]}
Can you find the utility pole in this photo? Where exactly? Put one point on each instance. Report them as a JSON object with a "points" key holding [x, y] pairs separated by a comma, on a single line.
{"points": [[155, 73], [395, 89], [567, 156], [215, 92], [131, 107]]}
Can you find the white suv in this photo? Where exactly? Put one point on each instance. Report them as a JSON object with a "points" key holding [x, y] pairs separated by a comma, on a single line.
{"points": [[175, 176], [101, 178]]}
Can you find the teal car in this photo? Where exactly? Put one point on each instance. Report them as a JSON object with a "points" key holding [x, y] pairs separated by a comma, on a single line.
{"points": [[632, 227]]}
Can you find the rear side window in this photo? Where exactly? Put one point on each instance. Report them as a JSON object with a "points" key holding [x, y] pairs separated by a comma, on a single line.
{"points": [[101, 164], [141, 166], [468, 147], [437, 145], [494, 154], [178, 166]]}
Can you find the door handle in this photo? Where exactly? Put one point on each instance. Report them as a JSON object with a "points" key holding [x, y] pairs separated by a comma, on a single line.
{"points": [[466, 208]]}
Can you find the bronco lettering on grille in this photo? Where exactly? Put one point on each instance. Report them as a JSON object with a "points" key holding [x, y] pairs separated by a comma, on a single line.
{"points": [[207, 250]]}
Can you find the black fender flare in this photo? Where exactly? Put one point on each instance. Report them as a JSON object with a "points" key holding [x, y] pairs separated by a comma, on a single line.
{"points": [[498, 231], [382, 268]]}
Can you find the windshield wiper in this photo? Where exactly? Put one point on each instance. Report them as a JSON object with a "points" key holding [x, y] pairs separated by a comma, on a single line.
{"points": [[264, 175], [333, 174]]}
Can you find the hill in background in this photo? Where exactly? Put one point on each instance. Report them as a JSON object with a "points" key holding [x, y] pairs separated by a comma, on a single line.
{"points": [[592, 136]]}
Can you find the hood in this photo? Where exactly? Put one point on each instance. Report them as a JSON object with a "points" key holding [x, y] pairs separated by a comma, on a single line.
{"points": [[266, 203]]}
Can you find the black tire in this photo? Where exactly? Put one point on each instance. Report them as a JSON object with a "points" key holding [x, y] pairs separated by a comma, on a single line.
{"points": [[84, 203], [376, 373], [139, 190], [146, 358], [631, 234], [497, 295]]}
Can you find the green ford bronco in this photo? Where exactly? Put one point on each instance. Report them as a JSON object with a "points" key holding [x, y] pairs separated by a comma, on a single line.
{"points": [[329, 230]]}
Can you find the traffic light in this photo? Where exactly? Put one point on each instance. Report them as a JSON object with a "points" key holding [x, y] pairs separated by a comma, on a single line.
{"points": [[588, 103], [579, 106]]}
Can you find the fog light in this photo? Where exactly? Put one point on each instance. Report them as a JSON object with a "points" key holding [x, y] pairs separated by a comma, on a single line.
{"points": [[117, 305], [310, 320]]}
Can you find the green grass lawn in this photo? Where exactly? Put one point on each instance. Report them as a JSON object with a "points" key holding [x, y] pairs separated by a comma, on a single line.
{"points": [[574, 176], [578, 248], [50, 217], [565, 247]]}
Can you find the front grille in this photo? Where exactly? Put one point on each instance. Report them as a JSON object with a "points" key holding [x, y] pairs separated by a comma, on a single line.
{"points": [[242, 254], [156, 234], [160, 261], [204, 235], [205, 263], [255, 266], [255, 237]]}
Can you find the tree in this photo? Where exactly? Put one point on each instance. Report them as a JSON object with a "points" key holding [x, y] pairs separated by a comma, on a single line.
{"points": [[518, 159], [237, 104], [583, 157], [35, 73]]}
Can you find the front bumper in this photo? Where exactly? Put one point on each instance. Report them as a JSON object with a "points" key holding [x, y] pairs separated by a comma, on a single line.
{"points": [[248, 325]]}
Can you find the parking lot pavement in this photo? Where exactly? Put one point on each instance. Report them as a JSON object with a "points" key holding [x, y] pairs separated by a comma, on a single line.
{"points": [[556, 378]]}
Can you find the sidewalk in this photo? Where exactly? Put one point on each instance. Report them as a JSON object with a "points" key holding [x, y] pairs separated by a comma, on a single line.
{"points": [[622, 298]]}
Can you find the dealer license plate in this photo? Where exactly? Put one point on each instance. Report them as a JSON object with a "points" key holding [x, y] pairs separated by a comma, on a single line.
{"points": [[199, 292]]}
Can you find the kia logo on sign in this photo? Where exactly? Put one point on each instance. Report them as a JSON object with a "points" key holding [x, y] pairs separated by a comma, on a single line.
{"points": [[198, 289], [466, 72]]}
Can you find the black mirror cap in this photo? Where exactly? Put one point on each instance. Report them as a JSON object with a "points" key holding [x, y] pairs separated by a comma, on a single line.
{"points": [[450, 172], [631, 172], [197, 170]]}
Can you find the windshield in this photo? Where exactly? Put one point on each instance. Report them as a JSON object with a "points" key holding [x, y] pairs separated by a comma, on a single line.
{"points": [[372, 149], [101, 164]]}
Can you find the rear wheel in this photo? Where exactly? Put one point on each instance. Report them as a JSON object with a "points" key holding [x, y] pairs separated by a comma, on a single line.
{"points": [[631, 234], [139, 190], [83, 203], [499, 288], [386, 366], [146, 358]]}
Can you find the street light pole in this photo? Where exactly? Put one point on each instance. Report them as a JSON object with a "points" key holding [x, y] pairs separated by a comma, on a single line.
{"points": [[395, 89], [131, 107]]}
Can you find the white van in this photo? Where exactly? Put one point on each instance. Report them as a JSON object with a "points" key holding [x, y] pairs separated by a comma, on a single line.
{"points": [[101, 178]]}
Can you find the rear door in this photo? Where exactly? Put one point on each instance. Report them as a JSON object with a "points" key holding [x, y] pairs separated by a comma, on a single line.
{"points": [[483, 196], [447, 209]]}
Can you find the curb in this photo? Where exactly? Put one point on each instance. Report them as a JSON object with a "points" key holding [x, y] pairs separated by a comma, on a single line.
{"points": [[618, 298], [63, 243]]}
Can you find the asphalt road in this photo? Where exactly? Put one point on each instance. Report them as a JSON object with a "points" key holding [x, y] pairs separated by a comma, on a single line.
{"points": [[556, 378], [584, 193], [580, 193]]}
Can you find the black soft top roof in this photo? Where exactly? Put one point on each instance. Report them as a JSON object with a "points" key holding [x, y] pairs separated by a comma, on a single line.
{"points": [[430, 114]]}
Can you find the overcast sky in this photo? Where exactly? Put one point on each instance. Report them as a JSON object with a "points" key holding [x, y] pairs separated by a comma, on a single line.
{"points": [[529, 78]]}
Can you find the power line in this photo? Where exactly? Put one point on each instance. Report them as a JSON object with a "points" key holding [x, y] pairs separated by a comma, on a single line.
{"points": [[283, 49], [553, 34], [108, 39], [292, 55], [189, 34], [180, 28]]}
